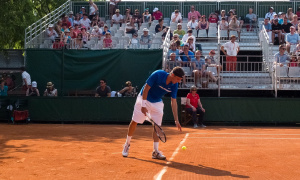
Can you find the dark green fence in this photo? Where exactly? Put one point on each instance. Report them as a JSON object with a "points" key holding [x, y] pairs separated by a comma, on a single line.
{"points": [[119, 110], [73, 70]]}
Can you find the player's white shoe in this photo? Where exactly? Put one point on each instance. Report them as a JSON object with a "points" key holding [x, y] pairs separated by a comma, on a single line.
{"points": [[125, 151], [158, 155]]}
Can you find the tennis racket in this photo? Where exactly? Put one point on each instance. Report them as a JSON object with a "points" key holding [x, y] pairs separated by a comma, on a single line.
{"points": [[158, 130]]}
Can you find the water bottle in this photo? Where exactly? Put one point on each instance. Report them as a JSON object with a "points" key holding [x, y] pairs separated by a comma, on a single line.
{"points": [[28, 119]]}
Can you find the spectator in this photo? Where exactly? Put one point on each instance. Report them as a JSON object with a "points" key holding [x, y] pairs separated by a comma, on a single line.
{"points": [[77, 30], [290, 14], [85, 35], [107, 42], [33, 91], [190, 42], [281, 59], [176, 38], [82, 12], [165, 33], [103, 90], [50, 90], [97, 32], [113, 5], [129, 10], [117, 18], [71, 18], [194, 13], [276, 29], [203, 24], [134, 41], [231, 15], [78, 44], [64, 28], [223, 24], [26, 79], [250, 18], [94, 22], [66, 21], [212, 61], [58, 27], [194, 107], [223, 15], [93, 9], [232, 48], [9, 82], [173, 49], [72, 32], [147, 17], [51, 33], [127, 16], [298, 13], [85, 22], [58, 44], [105, 30], [76, 20], [130, 27], [3, 88], [295, 22], [281, 17], [292, 39], [160, 27], [128, 91], [179, 31], [67, 39], [145, 38], [294, 61], [234, 25], [198, 64], [270, 14], [192, 24], [286, 27], [176, 17], [157, 15], [137, 18], [186, 55], [186, 36], [213, 18], [268, 28], [101, 25], [274, 17]]}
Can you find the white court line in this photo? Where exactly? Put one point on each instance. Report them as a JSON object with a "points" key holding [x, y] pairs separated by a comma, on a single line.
{"points": [[238, 138], [159, 175], [262, 134]]}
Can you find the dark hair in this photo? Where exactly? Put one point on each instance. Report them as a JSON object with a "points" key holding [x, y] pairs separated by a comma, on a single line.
{"points": [[103, 80], [160, 20], [178, 71], [22, 68], [190, 31]]}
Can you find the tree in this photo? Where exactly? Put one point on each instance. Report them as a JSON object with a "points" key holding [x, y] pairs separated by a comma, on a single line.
{"points": [[17, 15]]}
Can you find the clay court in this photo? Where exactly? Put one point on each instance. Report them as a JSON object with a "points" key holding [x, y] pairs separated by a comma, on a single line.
{"points": [[59, 151]]}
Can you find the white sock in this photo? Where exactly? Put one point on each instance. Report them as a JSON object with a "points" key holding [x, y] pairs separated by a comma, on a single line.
{"points": [[128, 139], [155, 146]]}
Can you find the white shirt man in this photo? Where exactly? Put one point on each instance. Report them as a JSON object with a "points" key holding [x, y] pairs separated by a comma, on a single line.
{"points": [[117, 18], [26, 79], [232, 48], [97, 32], [51, 33], [270, 14], [85, 22], [192, 24], [176, 17]]}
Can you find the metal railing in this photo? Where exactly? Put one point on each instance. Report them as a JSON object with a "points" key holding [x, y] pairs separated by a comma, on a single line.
{"points": [[286, 77], [166, 47], [35, 32]]}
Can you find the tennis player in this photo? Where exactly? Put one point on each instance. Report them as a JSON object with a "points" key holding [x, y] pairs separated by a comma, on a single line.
{"points": [[149, 101]]}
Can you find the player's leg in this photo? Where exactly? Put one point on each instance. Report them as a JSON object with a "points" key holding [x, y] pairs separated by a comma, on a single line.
{"points": [[137, 117], [156, 113]]}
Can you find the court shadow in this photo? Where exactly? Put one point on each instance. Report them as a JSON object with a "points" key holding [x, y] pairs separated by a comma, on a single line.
{"points": [[200, 169]]}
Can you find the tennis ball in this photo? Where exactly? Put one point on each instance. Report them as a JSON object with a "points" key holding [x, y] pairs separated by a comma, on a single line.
{"points": [[183, 148]]}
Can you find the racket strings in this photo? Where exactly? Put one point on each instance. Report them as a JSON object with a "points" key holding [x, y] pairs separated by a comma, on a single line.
{"points": [[160, 133]]}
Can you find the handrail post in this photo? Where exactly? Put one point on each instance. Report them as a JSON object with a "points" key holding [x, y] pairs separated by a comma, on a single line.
{"points": [[218, 70]]}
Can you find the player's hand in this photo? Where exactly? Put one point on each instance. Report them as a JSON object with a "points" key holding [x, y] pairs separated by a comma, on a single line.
{"points": [[144, 110], [178, 125]]}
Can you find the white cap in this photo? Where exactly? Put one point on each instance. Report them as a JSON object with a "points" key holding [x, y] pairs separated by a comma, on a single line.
{"points": [[50, 25], [71, 12], [82, 7], [34, 84], [155, 9], [145, 29], [96, 27]]}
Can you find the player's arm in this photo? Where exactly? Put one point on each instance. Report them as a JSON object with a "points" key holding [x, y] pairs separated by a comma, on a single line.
{"points": [[145, 95], [175, 112]]}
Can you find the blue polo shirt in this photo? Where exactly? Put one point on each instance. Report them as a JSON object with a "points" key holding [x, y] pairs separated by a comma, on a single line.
{"points": [[184, 57], [157, 82]]}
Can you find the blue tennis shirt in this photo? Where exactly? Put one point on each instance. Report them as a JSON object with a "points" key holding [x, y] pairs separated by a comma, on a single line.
{"points": [[157, 82]]}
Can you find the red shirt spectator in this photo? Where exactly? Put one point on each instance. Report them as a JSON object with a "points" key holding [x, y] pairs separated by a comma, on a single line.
{"points": [[157, 14], [58, 44], [66, 21], [193, 100], [213, 19]]}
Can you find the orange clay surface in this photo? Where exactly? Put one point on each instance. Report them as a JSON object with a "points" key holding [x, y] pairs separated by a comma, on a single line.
{"points": [[55, 151]]}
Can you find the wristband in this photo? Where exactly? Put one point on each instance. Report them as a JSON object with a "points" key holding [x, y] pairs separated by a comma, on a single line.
{"points": [[144, 103]]}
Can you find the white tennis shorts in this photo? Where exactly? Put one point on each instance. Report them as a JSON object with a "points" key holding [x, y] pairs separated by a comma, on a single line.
{"points": [[156, 111]]}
